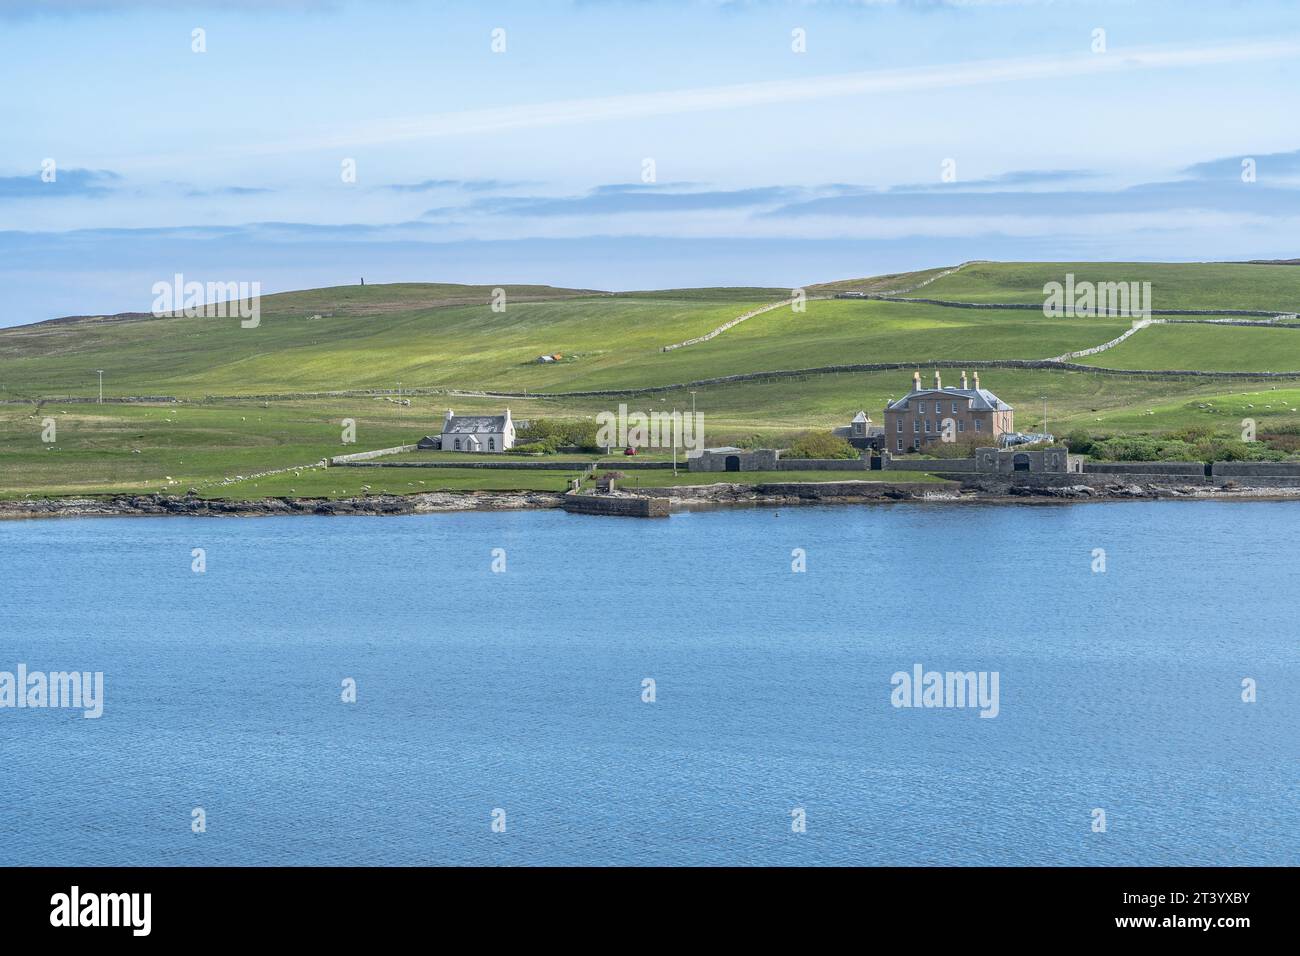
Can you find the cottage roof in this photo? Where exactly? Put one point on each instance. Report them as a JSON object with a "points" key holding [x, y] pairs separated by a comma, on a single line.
{"points": [[474, 424], [860, 417], [981, 399]]}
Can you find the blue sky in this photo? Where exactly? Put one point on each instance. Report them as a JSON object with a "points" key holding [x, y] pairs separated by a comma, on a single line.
{"points": [[771, 167]]}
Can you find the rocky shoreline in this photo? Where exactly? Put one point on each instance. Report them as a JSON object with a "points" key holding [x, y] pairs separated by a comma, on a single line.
{"points": [[721, 494], [155, 505]]}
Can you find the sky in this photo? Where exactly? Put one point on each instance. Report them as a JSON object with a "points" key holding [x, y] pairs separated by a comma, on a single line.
{"points": [[630, 145]]}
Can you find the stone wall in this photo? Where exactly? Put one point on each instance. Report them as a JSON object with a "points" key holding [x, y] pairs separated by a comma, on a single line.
{"points": [[755, 459], [1256, 469], [823, 464], [365, 455], [937, 465], [1161, 468]]}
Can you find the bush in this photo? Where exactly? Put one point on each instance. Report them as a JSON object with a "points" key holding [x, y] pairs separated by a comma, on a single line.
{"points": [[950, 449], [820, 445], [581, 433], [554, 434], [1204, 448], [538, 429], [534, 448], [1079, 442]]}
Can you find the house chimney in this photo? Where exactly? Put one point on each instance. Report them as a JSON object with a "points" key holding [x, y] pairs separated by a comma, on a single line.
{"points": [[963, 379], [937, 384], [977, 379], [450, 415], [916, 381]]}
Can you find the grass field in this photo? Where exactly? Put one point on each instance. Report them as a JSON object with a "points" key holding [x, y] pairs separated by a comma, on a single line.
{"points": [[447, 337], [1174, 285], [1224, 348]]}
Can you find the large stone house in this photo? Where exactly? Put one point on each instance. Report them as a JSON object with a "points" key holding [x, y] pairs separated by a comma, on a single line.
{"points": [[477, 432], [925, 415]]}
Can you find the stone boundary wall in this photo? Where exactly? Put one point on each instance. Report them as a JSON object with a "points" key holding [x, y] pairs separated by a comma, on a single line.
{"points": [[73, 400], [958, 465], [822, 464], [731, 324], [777, 374], [364, 455], [1084, 353], [1256, 469], [1152, 468]]}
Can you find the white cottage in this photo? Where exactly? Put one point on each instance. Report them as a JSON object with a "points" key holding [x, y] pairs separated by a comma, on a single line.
{"points": [[477, 432]]}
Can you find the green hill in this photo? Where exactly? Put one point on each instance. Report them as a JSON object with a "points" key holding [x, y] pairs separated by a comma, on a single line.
{"points": [[449, 338]]}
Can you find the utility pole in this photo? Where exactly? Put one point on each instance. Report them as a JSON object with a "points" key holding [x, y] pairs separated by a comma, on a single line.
{"points": [[101, 385]]}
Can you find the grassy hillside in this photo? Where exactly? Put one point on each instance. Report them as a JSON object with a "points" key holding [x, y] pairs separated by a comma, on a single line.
{"points": [[447, 337], [373, 341], [1218, 347], [1193, 285]]}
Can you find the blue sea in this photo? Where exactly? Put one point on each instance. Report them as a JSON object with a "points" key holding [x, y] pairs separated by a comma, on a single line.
{"points": [[517, 695]]}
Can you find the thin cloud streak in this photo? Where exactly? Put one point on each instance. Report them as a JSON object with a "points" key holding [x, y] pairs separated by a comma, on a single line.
{"points": [[768, 92]]}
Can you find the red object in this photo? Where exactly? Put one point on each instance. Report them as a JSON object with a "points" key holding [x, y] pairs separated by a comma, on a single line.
{"points": [[629, 450]]}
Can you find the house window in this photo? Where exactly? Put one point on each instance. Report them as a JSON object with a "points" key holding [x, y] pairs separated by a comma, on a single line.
{"points": [[921, 407], [900, 423], [961, 424], [458, 444], [977, 424], [927, 425], [916, 426], [954, 408], [900, 444], [492, 444]]}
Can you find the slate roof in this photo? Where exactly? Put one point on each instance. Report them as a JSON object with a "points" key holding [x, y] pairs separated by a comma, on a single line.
{"points": [[474, 424], [860, 417], [982, 400]]}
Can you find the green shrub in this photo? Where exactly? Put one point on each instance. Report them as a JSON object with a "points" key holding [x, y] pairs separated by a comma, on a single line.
{"points": [[820, 445], [1079, 442]]}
